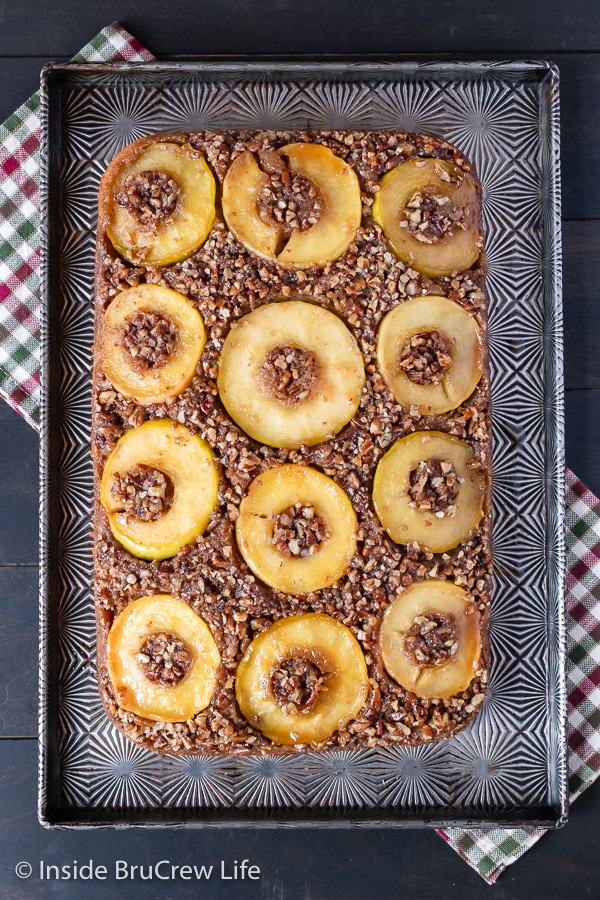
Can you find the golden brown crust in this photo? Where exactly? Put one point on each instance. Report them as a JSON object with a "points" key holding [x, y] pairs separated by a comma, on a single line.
{"points": [[220, 588]]}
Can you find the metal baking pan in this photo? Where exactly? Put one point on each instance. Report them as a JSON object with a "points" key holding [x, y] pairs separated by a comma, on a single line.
{"points": [[509, 767]]}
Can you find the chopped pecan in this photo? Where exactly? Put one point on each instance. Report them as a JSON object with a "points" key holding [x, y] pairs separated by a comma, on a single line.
{"points": [[287, 200], [430, 216], [431, 640], [434, 486], [426, 357], [144, 492], [150, 339], [299, 530], [296, 684], [150, 197], [289, 373], [165, 660]]}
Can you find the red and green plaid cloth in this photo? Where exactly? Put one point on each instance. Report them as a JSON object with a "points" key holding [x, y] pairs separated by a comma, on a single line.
{"points": [[488, 850], [20, 232], [491, 850]]}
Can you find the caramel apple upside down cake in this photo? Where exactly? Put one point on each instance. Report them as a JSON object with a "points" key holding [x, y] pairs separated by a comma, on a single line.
{"points": [[291, 441]]}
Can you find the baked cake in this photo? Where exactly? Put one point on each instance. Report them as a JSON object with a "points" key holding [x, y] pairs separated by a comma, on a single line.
{"points": [[291, 441]]}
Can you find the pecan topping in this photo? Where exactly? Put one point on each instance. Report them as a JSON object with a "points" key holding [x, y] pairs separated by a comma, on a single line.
{"points": [[296, 684], [287, 200], [150, 339], [150, 197], [434, 486], [288, 374], [165, 660], [145, 493], [431, 640], [426, 357], [299, 530], [348, 286], [429, 216]]}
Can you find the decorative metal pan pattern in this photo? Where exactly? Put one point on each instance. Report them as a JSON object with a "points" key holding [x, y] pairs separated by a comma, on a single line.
{"points": [[509, 767]]}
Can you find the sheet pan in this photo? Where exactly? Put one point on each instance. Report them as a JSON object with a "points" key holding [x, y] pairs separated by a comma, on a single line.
{"points": [[509, 768]]}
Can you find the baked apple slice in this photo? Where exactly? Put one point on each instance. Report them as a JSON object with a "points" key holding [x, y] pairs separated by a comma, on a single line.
{"points": [[296, 529], [427, 489], [429, 212], [430, 353], [430, 639], [336, 225], [162, 659], [241, 188], [159, 488], [290, 373], [302, 679], [305, 213], [158, 202], [153, 339]]}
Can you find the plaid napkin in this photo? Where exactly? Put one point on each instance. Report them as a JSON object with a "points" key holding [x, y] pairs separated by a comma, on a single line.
{"points": [[489, 850], [19, 233]]}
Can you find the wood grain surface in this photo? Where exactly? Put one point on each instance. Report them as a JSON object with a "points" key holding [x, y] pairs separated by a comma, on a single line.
{"points": [[312, 26], [302, 865]]}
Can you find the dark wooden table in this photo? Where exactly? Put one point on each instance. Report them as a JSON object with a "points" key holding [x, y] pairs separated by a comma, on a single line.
{"points": [[320, 865]]}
